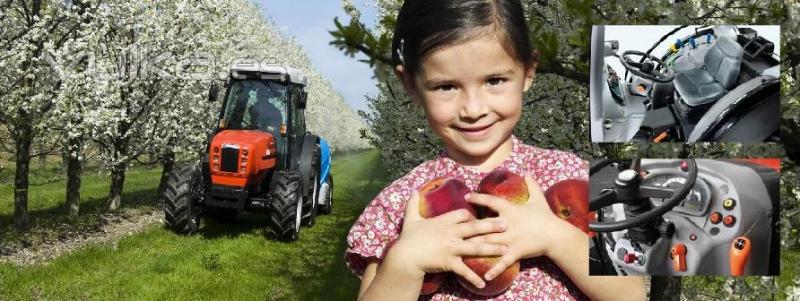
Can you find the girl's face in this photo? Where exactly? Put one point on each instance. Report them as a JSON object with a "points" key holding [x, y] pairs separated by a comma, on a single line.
{"points": [[472, 95]]}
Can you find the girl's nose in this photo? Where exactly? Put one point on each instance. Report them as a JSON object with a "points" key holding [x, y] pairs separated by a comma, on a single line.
{"points": [[474, 106]]}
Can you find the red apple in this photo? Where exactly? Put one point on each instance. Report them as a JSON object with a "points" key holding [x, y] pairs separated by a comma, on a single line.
{"points": [[498, 285], [432, 283], [442, 195], [505, 184], [569, 200], [439, 196], [511, 187]]}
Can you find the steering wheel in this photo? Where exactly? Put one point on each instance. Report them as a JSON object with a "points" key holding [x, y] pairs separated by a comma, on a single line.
{"points": [[647, 69], [628, 189]]}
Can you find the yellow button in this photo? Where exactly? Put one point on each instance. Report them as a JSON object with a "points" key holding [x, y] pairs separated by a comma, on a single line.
{"points": [[728, 203]]}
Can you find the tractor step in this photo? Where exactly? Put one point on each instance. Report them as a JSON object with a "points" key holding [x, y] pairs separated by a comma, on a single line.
{"points": [[260, 203]]}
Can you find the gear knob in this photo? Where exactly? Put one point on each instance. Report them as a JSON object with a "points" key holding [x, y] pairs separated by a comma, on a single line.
{"points": [[678, 255], [739, 254]]}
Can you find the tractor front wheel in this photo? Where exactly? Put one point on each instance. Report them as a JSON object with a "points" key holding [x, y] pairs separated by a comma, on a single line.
{"points": [[180, 211], [287, 204]]}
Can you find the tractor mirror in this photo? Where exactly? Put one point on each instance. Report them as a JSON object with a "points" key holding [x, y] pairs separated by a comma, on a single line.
{"points": [[213, 92]]}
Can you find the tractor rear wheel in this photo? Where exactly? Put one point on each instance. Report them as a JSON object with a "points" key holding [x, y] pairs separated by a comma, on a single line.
{"points": [[310, 200], [181, 214], [326, 196], [287, 204], [310, 203]]}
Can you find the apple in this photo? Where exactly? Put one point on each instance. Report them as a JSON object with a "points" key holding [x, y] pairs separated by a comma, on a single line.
{"points": [[481, 265], [511, 187], [569, 200], [432, 283], [439, 196], [505, 184], [442, 195]]}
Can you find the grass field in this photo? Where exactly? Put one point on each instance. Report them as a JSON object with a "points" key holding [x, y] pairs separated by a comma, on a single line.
{"points": [[223, 262]]}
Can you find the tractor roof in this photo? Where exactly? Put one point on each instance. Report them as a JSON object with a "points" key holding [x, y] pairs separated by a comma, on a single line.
{"points": [[269, 71]]}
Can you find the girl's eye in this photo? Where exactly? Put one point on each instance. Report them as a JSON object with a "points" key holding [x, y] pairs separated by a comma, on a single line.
{"points": [[496, 81], [446, 88]]}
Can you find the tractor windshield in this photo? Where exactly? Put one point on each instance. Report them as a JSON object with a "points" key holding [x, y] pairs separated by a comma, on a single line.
{"points": [[255, 105]]}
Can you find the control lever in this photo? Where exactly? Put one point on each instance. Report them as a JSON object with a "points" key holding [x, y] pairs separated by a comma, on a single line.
{"points": [[678, 255], [739, 254]]}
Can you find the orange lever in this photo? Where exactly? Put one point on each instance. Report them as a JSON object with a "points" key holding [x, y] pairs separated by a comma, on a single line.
{"points": [[660, 137], [678, 254], [740, 252]]}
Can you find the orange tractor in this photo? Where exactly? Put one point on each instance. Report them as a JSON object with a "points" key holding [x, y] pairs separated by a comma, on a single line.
{"points": [[260, 158]]}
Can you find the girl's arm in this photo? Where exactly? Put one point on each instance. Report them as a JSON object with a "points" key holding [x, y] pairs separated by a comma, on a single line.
{"points": [[390, 281], [428, 245]]}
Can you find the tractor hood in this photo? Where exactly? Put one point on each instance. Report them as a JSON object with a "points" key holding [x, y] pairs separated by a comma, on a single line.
{"points": [[237, 157]]}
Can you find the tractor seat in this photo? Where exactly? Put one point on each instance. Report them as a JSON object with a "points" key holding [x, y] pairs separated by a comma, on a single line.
{"points": [[719, 73]]}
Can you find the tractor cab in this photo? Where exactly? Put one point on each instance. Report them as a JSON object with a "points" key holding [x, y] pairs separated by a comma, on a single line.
{"points": [[265, 99], [260, 157], [717, 83]]}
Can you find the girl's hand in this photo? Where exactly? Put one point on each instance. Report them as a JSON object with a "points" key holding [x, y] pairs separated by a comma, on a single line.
{"points": [[532, 227], [436, 244]]}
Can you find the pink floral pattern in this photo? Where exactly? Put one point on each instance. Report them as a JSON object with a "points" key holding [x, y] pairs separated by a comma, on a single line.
{"points": [[379, 224]]}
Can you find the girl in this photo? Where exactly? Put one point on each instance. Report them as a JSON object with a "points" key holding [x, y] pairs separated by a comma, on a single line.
{"points": [[468, 64]]}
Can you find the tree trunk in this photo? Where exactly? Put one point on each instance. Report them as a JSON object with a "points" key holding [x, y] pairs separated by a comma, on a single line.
{"points": [[74, 168], [24, 137], [665, 288], [117, 184], [168, 161], [42, 156]]}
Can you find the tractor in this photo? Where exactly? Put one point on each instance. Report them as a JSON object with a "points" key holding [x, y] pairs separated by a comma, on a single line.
{"points": [[260, 157]]}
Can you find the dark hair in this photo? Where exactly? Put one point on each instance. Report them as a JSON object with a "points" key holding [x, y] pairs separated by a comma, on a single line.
{"points": [[425, 26]]}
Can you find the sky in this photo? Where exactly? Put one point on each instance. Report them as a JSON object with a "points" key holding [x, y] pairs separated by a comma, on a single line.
{"points": [[642, 38], [309, 21]]}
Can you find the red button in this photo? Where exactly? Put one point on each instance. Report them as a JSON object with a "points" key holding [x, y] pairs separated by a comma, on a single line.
{"points": [[729, 220], [692, 237], [684, 166], [630, 258], [716, 217]]}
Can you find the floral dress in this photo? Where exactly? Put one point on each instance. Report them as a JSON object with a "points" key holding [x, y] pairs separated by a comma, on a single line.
{"points": [[379, 224]]}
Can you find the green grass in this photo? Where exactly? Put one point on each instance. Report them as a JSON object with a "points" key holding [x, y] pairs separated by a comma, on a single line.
{"points": [[230, 262]]}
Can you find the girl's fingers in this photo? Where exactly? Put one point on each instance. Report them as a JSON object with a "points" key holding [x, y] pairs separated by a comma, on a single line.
{"points": [[456, 216], [412, 208], [466, 273], [534, 191], [491, 238], [478, 227], [505, 261], [468, 248], [492, 202]]}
